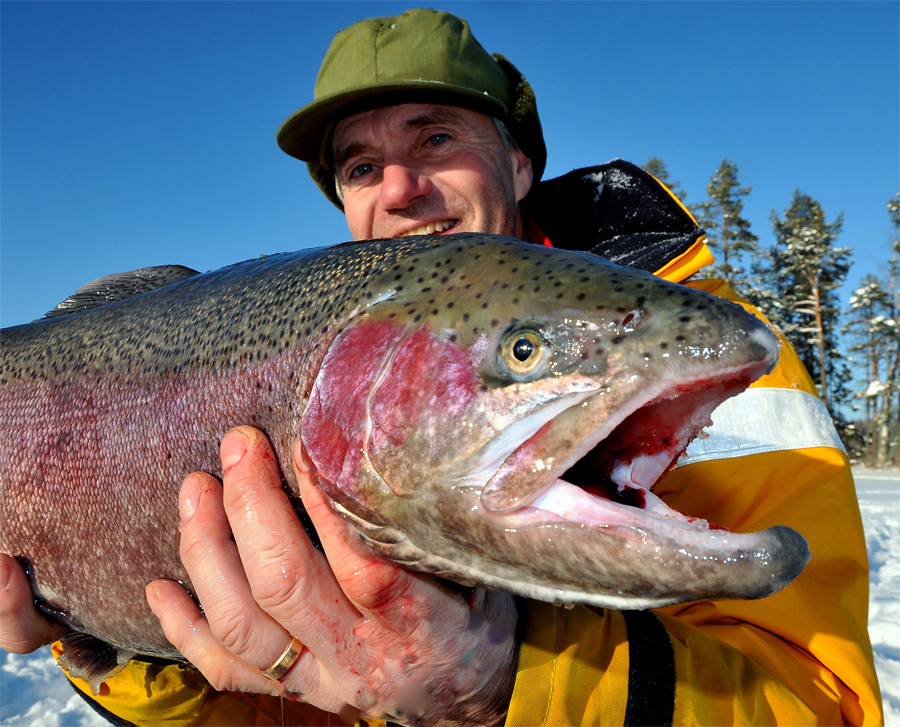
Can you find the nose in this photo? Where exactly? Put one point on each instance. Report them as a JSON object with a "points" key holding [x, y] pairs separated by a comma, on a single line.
{"points": [[401, 185]]}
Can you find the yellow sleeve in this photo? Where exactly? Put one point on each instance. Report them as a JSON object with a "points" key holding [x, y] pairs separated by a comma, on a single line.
{"points": [[172, 694], [801, 656]]}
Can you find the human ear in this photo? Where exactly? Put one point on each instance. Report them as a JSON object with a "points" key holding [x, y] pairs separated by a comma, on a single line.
{"points": [[523, 174]]}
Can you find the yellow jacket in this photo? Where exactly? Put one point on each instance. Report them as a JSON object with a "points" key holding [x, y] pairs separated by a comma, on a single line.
{"points": [[800, 657]]}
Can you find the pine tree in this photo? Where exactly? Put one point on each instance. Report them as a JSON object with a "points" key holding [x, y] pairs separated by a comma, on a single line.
{"points": [[892, 401], [728, 234], [807, 269], [873, 331]]}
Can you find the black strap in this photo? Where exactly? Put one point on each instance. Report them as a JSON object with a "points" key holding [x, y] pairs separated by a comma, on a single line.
{"points": [[651, 672]]}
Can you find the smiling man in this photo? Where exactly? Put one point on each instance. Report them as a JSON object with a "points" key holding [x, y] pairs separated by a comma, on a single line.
{"points": [[415, 129], [428, 168]]}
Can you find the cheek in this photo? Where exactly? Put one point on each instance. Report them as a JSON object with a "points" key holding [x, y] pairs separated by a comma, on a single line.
{"points": [[359, 213]]}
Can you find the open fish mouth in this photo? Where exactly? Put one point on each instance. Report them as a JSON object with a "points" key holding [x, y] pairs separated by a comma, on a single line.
{"points": [[606, 478]]}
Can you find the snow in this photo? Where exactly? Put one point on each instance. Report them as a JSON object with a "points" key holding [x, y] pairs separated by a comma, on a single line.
{"points": [[879, 502], [875, 388], [33, 690]]}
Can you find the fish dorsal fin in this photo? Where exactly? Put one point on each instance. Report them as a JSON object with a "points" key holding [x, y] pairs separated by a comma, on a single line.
{"points": [[119, 286], [87, 657]]}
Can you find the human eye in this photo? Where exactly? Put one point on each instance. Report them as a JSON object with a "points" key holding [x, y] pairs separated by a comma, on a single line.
{"points": [[361, 170], [437, 139], [357, 173]]}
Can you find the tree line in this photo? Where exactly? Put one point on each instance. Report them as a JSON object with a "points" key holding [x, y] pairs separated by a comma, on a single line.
{"points": [[853, 354]]}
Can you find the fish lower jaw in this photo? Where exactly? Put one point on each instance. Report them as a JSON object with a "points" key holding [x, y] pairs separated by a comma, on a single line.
{"points": [[565, 502]]}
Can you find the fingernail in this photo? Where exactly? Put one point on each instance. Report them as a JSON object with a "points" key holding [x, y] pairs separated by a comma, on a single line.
{"points": [[5, 573], [152, 593], [301, 461], [189, 498], [234, 445]]}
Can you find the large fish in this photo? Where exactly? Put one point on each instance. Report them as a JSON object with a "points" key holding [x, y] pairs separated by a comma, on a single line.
{"points": [[442, 388]]}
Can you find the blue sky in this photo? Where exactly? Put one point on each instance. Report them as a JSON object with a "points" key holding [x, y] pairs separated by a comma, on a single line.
{"points": [[143, 133]]}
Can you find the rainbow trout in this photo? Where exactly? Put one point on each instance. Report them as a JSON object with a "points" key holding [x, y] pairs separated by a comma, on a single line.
{"points": [[443, 388]]}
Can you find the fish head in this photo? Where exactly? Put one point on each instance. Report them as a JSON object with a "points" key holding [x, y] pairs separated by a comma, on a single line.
{"points": [[497, 413]]}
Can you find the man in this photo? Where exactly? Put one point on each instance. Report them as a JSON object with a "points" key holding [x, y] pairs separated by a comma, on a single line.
{"points": [[415, 129]]}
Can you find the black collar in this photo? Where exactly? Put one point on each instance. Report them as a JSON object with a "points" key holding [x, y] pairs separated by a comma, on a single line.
{"points": [[615, 210]]}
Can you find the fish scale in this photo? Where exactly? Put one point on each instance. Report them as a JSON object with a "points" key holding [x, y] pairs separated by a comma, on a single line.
{"points": [[431, 426]]}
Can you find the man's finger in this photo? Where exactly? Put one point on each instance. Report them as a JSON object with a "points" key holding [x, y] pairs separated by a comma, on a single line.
{"points": [[23, 628], [218, 577], [288, 577], [376, 587], [189, 632]]}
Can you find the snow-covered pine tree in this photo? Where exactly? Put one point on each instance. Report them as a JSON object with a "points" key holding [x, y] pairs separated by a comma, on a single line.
{"points": [[807, 269], [874, 335]]}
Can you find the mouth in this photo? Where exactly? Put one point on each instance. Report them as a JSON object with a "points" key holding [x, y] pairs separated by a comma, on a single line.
{"points": [[606, 479], [431, 228]]}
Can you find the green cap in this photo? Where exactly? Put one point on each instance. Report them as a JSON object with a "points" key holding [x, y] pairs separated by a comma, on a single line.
{"points": [[420, 56]]}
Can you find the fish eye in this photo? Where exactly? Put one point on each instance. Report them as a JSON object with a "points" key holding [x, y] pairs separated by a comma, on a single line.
{"points": [[523, 351]]}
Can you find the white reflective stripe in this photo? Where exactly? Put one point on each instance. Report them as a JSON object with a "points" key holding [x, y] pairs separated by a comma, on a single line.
{"points": [[765, 420]]}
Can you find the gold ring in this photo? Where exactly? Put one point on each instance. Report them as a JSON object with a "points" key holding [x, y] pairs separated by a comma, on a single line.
{"points": [[285, 661]]}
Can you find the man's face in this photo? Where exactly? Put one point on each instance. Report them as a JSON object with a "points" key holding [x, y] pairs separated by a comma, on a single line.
{"points": [[428, 168]]}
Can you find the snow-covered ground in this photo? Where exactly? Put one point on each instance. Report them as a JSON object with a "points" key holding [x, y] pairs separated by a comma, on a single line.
{"points": [[33, 690], [879, 501]]}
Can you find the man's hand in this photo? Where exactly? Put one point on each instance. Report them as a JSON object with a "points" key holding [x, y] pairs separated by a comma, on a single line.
{"points": [[378, 640], [23, 628]]}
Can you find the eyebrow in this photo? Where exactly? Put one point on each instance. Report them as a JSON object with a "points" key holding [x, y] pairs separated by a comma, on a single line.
{"points": [[438, 115]]}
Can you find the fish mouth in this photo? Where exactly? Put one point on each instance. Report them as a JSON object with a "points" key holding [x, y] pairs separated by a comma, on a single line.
{"points": [[431, 228], [605, 479]]}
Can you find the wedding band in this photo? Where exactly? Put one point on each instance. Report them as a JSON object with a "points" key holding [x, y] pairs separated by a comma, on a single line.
{"points": [[285, 661]]}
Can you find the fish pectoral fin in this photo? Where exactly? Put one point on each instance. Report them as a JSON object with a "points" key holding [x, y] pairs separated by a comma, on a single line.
{"points": [[119, 286], [91, 659]]}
